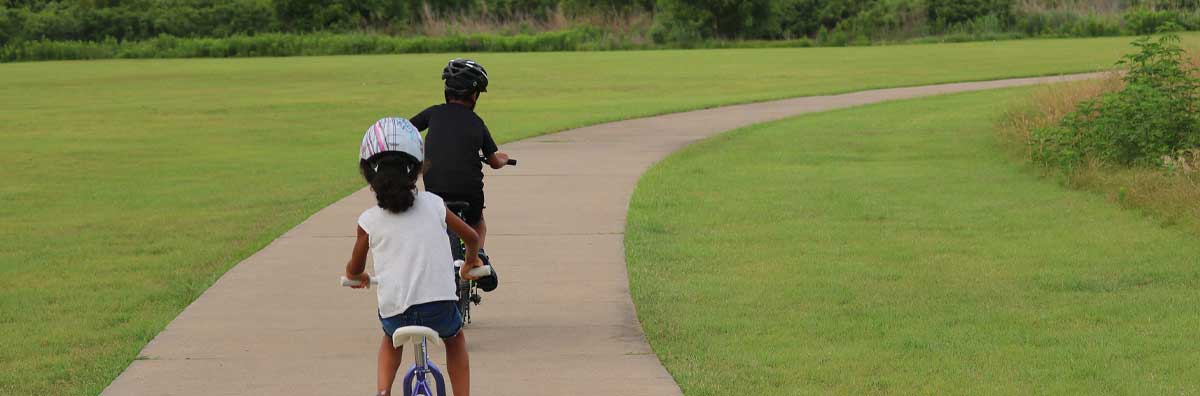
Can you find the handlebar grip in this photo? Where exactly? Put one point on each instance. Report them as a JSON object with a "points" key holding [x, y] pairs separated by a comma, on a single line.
{"points": [[480, 272], [477, 272], [510, 162], [347, 282]]}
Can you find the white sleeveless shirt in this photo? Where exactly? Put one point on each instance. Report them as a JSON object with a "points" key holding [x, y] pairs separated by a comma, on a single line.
{"points": [[411, 253]]}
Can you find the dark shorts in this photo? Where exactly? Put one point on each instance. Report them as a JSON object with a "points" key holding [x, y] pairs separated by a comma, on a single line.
{"points": [[474, 212], [441, 316]]}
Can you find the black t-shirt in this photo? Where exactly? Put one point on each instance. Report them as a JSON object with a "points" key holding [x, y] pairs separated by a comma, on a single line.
{"points": [[456, 138]]}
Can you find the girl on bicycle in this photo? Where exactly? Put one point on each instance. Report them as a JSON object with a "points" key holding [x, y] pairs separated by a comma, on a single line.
{"points": [[406, 235]]}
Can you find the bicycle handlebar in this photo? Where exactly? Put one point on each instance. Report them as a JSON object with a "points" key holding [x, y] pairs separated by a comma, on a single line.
{"points": [[511, 162], [348, 283], [477, 272]]}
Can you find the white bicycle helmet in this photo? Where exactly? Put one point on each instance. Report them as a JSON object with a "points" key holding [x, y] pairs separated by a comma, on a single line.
{"points": [[392, 134]]}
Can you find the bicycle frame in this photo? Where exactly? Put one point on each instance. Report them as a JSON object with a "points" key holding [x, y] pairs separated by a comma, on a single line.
{"points": [[416, 381], [466, 291]]}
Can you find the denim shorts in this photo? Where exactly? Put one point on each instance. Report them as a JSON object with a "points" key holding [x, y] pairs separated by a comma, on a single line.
{"points": [[441, 316]]}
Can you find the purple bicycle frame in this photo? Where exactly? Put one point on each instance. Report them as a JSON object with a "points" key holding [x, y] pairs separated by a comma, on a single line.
{"points": [[417, 380]]}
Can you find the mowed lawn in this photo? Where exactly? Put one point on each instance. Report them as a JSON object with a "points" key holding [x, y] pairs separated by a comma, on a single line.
{"points": [[130, 186], [893, 249]]}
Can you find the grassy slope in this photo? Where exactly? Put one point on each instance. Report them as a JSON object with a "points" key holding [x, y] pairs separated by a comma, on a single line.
{"points": [[893, 249], [129, 186]]}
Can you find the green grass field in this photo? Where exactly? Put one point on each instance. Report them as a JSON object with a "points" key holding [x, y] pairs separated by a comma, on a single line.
{"points": [[895, 249], [130, 186]]}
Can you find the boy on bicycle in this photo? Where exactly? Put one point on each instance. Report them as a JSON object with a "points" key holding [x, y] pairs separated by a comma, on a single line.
{"points": [[456, 140]]}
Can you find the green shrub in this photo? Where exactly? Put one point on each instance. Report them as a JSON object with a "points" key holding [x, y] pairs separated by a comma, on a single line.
{"points": [[951, 12], [27, 27], [1094, 26], [1066, 23], [282, 44], [1143, 21], [9, 25], [689, 20], [1154, 115]]}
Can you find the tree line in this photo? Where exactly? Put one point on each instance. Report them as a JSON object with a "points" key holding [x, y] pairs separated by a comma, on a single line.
{"points": [[673, 21]]}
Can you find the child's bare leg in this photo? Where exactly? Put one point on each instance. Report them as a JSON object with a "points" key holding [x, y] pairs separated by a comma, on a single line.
{"points": [[459, 364], [389, 362]]}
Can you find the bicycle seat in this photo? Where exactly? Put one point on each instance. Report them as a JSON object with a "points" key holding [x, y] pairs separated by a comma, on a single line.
{"points": [[413, 334], [457, 206]]}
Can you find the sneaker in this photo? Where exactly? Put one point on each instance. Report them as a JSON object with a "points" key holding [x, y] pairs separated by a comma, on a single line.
{"points": [[490, 282]]}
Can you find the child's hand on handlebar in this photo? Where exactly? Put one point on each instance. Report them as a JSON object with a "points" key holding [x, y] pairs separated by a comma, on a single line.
{"points": [[498, 160], [468, 265], [364, 280]]}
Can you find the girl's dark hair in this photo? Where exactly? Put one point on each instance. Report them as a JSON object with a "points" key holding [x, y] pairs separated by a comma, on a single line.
{"points": [[393, 177]]}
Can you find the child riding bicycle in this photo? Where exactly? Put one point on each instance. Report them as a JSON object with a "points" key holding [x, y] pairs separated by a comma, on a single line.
{"points": [[456, 139], [406, 235]]}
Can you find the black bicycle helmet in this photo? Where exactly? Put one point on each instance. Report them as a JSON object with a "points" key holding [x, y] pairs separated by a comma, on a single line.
{"points": [[465, 76]]}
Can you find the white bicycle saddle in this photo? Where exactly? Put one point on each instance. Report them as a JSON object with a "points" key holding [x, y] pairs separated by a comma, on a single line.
{"points": [[413, 334]]}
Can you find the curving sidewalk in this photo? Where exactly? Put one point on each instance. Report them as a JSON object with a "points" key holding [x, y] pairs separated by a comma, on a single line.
{"points": [[561, 323]]}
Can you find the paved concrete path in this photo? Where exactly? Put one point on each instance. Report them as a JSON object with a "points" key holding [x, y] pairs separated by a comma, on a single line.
{"points": [[562, 322]]}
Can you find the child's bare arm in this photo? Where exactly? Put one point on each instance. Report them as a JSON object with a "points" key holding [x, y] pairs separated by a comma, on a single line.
{"points": [[358, 260], [470, 238]]}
